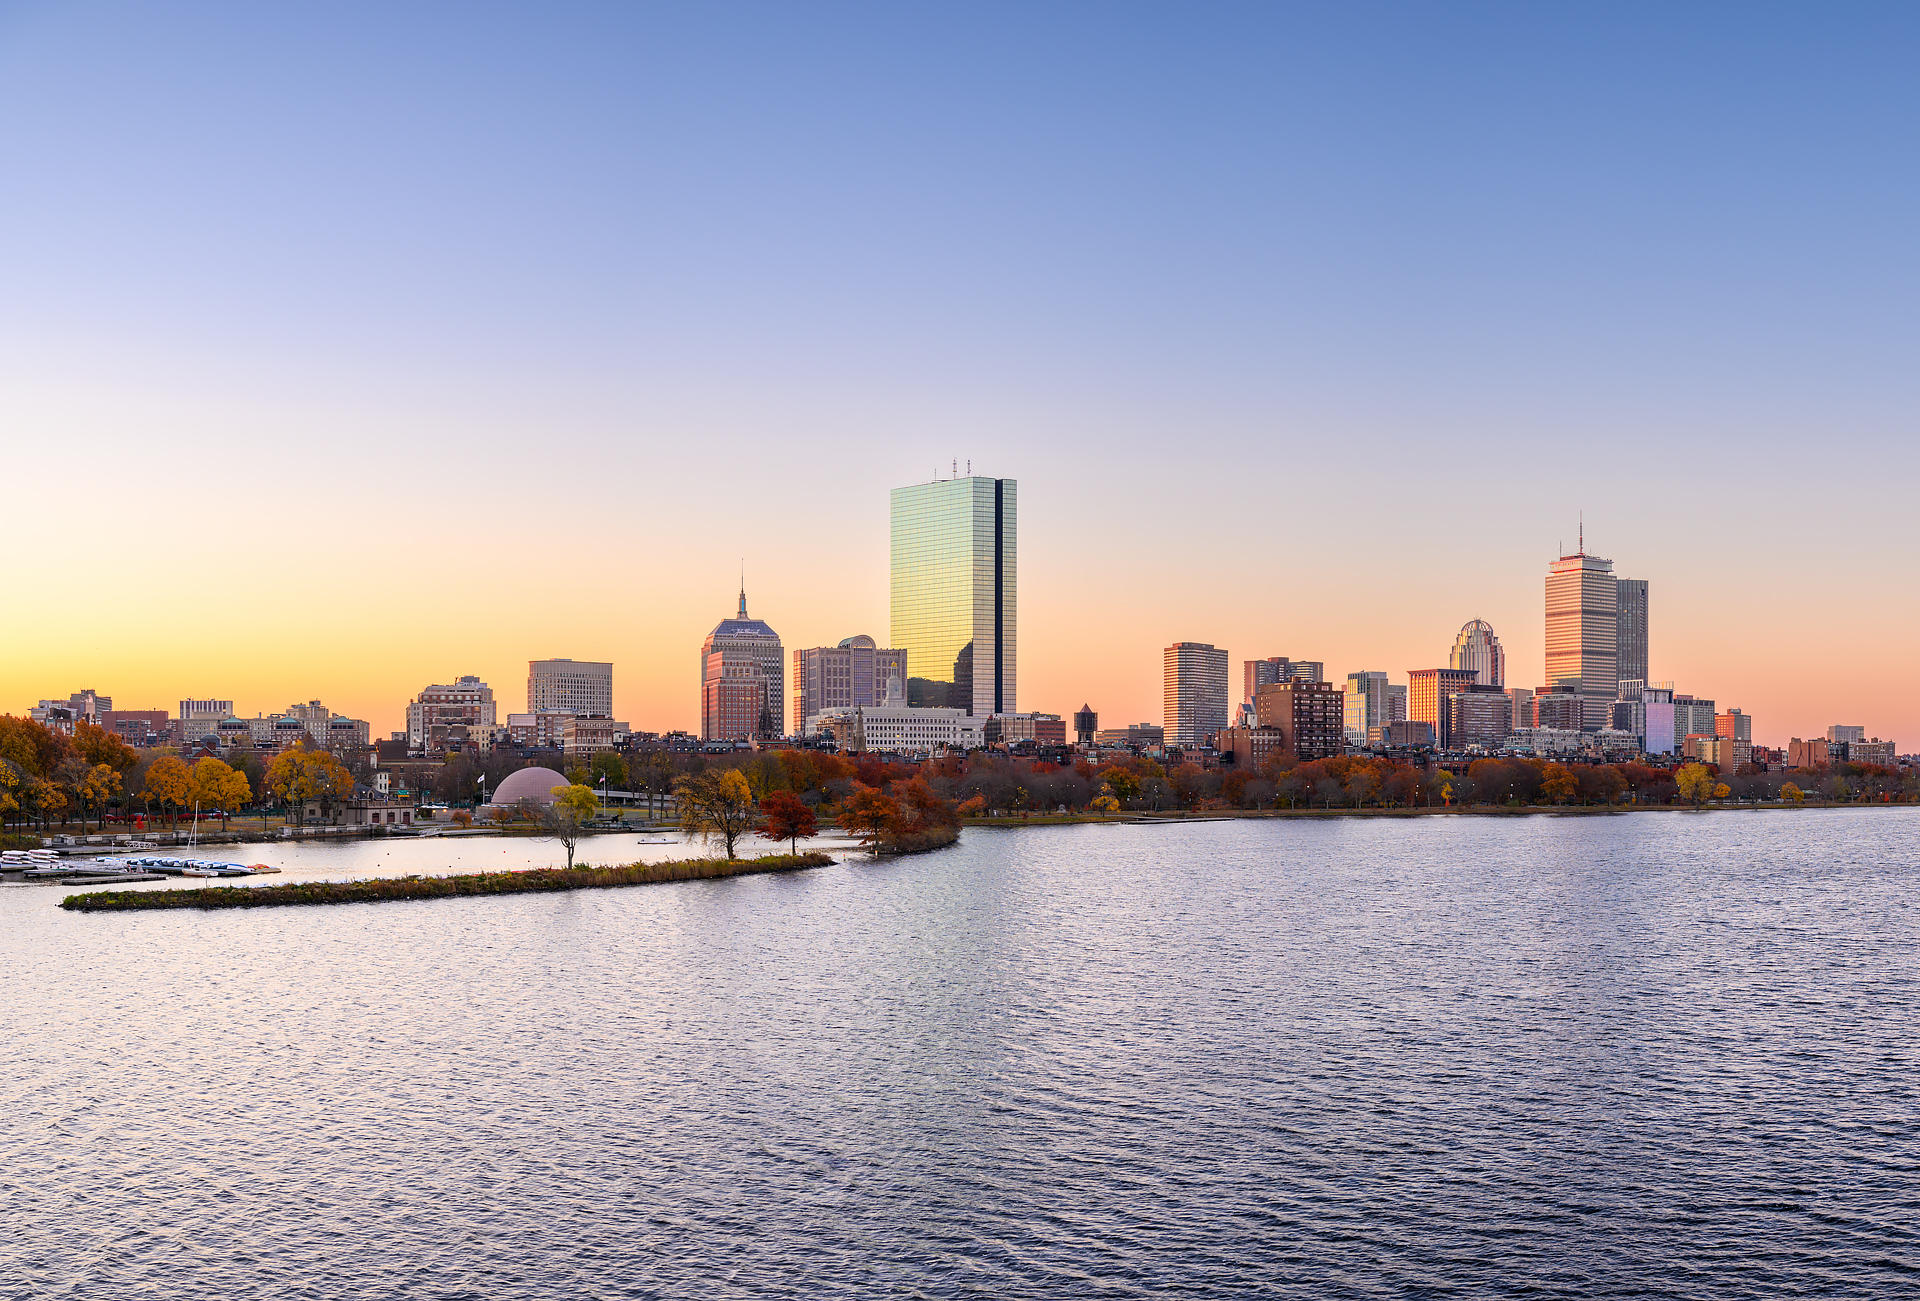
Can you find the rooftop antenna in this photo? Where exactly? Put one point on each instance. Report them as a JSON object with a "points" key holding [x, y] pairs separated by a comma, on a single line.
{"points": [[1583, 532], [956, 466]]}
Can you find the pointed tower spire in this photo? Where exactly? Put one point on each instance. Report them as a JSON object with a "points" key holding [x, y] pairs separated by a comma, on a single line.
{"points": [[1583, 535]]}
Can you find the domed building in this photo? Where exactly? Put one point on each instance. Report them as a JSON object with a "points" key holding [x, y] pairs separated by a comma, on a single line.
{"points": [[534, 784], [1477, 649]]}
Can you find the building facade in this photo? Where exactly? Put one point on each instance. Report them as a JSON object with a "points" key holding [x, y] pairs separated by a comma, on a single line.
{"points": [[570, 686], [954, 580], [1194, 692], [1367, 705], [1427, 692], [1086, 725], [1583, 630], [1255, 674], [742, 679], [1692, 716], [1310, 716], [840, 677], [1630, 625], [1734, 724], [466, 703], [1480, 715], [1135, 736], [1847, 732], [1477, 648]]}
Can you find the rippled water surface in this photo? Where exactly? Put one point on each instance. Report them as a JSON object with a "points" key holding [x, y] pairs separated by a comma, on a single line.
{"points": [[1638, 1055]]}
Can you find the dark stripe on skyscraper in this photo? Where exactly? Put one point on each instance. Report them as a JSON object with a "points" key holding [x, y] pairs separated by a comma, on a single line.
{"points": [[999, 589]]}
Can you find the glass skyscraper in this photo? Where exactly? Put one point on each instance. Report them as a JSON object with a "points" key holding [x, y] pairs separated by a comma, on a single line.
{"points": [[954, 581]]}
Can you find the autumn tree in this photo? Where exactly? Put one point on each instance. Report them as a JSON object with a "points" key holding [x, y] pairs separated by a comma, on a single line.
{"points": [[100, 784], [573, 807], [301, 775], [1695, 782], [98, 746], [716, 804], [870, 816], [216, 785], [1558, 784], [169, 783], [785, 816], [1792, 792]]}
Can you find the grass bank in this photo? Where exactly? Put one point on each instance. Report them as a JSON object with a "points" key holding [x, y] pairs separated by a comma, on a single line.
{"points": [[919, 842], [383, 889]]}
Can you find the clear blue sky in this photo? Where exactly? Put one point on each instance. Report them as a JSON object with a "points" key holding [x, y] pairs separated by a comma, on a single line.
{"points": [[1307, 330]]}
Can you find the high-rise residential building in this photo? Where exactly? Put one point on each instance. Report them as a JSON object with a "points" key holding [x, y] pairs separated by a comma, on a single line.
{"points": [[1734, 724], [1522, 698], [954, 592], [1195, 692], [1630, 625], [1846, 732], [846, 676], [1308, 715], [1692, 716], [1086, 725], [1658, 731], [583, 687], [1583, 630], [1277, 668], [1476, 648], [1366, 705], [466, 704], [1427, 692], [742, 679], [1481, 715], [1560, 706]]}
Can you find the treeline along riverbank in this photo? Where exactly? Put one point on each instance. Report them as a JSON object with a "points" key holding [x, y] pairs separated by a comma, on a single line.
{"points": [[382, 890]]}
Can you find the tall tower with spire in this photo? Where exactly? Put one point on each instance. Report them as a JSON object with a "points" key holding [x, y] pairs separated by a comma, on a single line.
{"points": [[742, 678]]}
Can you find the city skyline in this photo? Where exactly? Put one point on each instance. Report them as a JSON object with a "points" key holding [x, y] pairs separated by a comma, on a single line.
{"points": [[235, 284]]}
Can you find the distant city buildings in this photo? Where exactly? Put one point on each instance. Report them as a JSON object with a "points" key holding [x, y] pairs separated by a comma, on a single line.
{"points": [[570, 686], [1135, 736], [853, 673], [742, 679], [1734, 724], [954, 585], [1255, 674], [1308, 716], [1630, 625], [1583, 631], [1086, 725], [1481, 715], [1370, 702], [1427, 692], [463, 710], [1193, 691], [1846, 732], [1477, 649]]}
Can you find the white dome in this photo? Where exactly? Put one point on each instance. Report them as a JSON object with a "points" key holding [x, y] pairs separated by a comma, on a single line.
{"points": [[529, 784]]}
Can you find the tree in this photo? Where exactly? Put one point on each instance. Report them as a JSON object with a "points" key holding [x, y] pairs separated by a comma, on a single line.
{"points": [[99, 746], [870, 816], [215, 785], [1695, 783], [785, 816], [1792, 792], [716, 804], [169, 782], [1721, 791], [572, 808], [1558, 784], [1104, 804], [1124, 785], [300, 775], [100, 784]]}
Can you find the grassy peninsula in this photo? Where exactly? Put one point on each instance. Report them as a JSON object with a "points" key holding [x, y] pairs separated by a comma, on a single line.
{"points": [[384, 889]]}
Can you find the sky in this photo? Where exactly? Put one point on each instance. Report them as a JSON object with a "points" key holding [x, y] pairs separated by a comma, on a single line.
{"points": [[350, 350]]}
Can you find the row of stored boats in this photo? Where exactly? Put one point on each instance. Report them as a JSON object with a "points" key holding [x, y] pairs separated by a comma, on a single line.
{"points": [[45, 865]]}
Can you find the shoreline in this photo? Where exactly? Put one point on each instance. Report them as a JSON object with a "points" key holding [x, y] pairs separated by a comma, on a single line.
{"points": [[1174, 817], [390, 889]]}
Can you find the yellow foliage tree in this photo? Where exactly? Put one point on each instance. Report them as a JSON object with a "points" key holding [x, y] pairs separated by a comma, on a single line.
{"points": [[1695, 783], [716, 804], [100, 784], [1559, 784], [300, 775], [1792, 792], [169, 782], [217, 785], [1105, 804]]}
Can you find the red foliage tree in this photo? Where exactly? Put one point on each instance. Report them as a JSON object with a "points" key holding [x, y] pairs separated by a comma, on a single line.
{"points": [[785, 816]]}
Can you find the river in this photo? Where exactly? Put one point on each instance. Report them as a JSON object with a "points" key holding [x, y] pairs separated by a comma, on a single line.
{"points": [[1647, 1054]]}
